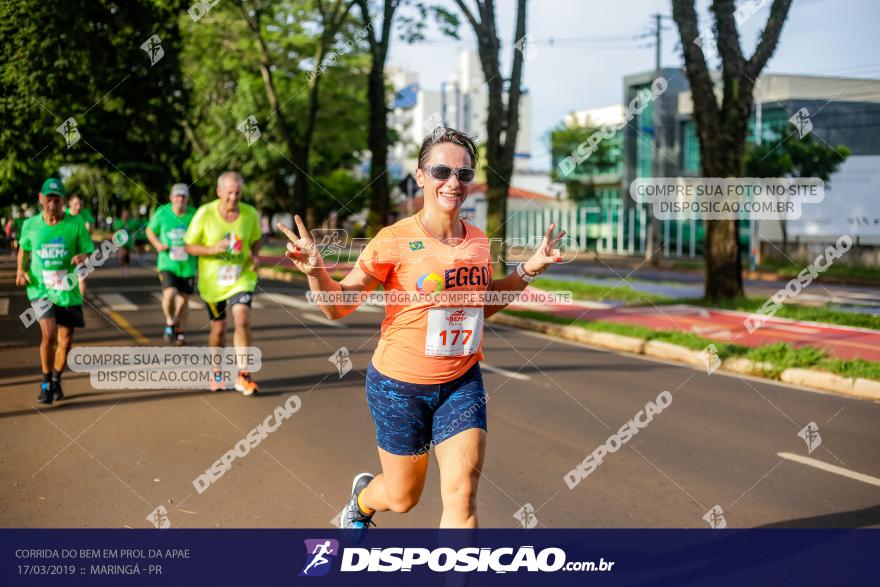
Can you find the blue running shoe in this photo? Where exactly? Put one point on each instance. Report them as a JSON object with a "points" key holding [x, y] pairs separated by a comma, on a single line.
{"points": [[352, 517], [47, 393]]}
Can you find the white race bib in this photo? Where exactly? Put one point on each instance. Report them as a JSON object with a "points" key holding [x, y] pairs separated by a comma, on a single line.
{"points": [[56, 279], [177, 254], [228, 274], [453, 332]]}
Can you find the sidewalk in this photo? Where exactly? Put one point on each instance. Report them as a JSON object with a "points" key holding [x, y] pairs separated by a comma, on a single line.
{"points": [[844, 342]]}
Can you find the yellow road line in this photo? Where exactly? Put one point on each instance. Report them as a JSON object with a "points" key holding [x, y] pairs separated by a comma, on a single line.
{"points": [[126, 326]]}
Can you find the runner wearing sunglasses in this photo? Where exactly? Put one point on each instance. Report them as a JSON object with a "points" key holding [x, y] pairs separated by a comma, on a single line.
{"points": [[424, 387]]}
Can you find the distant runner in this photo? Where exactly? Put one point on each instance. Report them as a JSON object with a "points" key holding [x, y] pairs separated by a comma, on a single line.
{"points": [[125, 223], [52, 245], [75, 209], [424, 386], [225, 235], [177, 269]]}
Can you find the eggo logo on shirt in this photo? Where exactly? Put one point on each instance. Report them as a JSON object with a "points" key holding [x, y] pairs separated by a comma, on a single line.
{"points": [[466, 276]]}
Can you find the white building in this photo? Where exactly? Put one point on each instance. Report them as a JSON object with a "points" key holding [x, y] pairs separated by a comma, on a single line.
{"points": [[461, 102], [610, 115]]}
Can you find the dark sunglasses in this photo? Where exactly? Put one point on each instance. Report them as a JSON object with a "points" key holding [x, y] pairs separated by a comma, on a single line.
{"points": [[444, 172]]}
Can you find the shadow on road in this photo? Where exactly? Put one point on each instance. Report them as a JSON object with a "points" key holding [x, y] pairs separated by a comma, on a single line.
{"points": [[862, 518], [269, 387]]}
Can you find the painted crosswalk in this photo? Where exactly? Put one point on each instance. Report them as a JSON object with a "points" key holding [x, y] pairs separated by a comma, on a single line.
{"points": [[193, 304], [300, 303], [117, 302]]}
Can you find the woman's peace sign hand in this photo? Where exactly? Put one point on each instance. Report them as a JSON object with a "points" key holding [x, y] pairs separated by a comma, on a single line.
{"points": [[301, 249]]}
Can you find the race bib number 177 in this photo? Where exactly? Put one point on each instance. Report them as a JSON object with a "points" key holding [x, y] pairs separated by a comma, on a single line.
{"points": [[453, 332]]}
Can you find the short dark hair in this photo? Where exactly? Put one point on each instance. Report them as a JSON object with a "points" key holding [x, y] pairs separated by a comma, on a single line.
{"points": [[442, 134]]}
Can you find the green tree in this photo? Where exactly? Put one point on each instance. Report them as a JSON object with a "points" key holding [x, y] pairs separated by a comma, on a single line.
{"points": [[565, 141], [378, 31], [502, 117], [259, 59], [795, 157], [82, 59], [721, 128]]}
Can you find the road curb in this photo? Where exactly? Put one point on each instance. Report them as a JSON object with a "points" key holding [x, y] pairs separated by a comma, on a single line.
{"points": [[745, 366], [674, 352], [858, 388]]}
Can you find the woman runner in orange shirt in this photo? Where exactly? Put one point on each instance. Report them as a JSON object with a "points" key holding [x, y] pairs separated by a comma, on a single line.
{"points": [[424, 386]]}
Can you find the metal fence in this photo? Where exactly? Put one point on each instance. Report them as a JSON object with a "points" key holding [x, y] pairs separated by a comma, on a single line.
{"points": [[610, 229]]}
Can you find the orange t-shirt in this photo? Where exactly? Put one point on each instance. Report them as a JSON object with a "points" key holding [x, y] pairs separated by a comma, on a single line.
{"points": [[405, 257]]}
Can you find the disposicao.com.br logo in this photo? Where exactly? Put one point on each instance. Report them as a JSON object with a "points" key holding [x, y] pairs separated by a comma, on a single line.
{"points": [[442, 559], [320, 554]]}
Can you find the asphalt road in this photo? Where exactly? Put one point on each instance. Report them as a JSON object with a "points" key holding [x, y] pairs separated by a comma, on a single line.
{"points": [[109, 458]]}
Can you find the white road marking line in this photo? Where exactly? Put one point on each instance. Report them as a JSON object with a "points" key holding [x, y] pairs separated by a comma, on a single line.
{"points": [[300, 303], [4, 306], [289, 301], [193, 304], [789, 328], [829, 468], [322, 320], [711, 332], [505, 372], [117, 302]]}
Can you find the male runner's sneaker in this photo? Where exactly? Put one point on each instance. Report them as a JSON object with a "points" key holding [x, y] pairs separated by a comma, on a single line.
{"points": [[180, 340], [59, 394], [169, 333], [352, 516], [217, 381], [47, 391], [245, 384]]}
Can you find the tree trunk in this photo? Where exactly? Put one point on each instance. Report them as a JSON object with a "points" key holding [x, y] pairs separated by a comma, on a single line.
{"points": [[378, 143], [502, 120], [723, 157], [721, 128], [784, 226]]}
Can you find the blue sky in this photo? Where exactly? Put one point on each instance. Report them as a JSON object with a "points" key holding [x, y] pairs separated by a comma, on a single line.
{"points": [[595, 47]]}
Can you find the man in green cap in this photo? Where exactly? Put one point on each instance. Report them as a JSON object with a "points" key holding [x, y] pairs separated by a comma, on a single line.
{"points": [[177, 268], [52, 245]]}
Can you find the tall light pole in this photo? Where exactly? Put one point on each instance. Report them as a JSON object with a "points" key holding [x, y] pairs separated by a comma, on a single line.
{"points": [[657, 122]]}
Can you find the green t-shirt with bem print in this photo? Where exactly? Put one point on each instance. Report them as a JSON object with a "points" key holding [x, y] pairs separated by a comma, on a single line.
{"points": [[52, 247], [170, 229]]}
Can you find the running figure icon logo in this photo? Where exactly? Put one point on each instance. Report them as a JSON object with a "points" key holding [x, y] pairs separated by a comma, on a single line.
{"points": [[159, 517], [526, 516], [320, 553], [715, 518], [709, 357], [153, 48], [810, 434], [342, 359], [70, 131], [801, 121]]}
